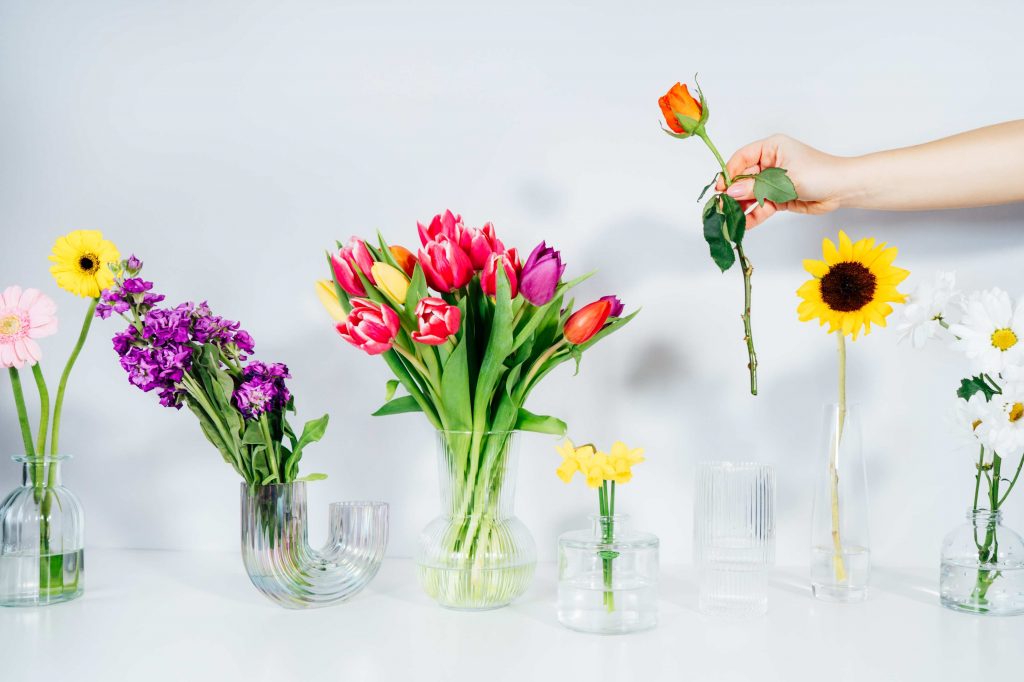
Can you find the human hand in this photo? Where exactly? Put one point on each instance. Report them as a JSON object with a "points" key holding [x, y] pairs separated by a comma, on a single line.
{"points": [[818, 177]]}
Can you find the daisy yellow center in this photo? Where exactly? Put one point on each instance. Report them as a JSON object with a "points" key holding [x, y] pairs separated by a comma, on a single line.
{"points": [[975, 424], [1004, 339], [1016, 412], [848, 286], [10, 325], [88, 263]]}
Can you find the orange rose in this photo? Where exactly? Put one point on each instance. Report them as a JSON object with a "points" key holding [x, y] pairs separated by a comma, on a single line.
{"points": [[678, 100], [404, 258]]}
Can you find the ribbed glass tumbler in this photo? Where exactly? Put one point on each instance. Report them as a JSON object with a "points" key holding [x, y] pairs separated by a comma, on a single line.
{"points": [[734, 536]]}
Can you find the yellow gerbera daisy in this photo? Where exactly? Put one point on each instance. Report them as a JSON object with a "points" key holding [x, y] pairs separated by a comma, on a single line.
{"points": [[852, 287], [81, 261]]}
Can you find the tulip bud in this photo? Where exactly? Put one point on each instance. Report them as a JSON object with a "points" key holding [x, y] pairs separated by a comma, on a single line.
{"points": [[404, 258], [583, 324], [352, 255], [678, 102], [480, 243], [437, 321], [445, 265], [616, 305], [488, 278], [391, 281], [329, 299], [370, 326], [447, 224], [541, 274]]}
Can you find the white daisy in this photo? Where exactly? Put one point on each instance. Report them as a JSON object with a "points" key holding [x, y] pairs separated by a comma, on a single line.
{"points": [[991, 331], [967, 418], [927, 307], [1002, 422]]}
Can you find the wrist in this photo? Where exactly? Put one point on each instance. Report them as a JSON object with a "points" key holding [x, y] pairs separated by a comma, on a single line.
{"points": [[853, 181]]}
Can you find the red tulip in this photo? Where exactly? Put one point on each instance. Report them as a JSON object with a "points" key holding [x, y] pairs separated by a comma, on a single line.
{"points": [[344, 263], [479, 243], [445, 265], [370, 326], [587, 321], [488, 278], [437, 321], [447, 224]]}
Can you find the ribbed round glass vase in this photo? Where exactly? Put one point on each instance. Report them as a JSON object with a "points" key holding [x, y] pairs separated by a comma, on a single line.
{"points": [[42, 536], [982, 569], [283, 566], [476, 554]]}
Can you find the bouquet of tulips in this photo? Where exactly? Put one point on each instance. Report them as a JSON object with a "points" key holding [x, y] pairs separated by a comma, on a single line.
{"points": [[469, 331]]}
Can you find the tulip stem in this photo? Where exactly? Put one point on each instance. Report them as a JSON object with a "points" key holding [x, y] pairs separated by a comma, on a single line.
{"points": [[748, 333]]}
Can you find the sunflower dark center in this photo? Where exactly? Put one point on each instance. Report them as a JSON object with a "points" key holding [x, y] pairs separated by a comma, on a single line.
{"points": [[847, 287], [88, 263]]}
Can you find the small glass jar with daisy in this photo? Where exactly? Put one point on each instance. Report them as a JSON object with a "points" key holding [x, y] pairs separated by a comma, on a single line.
{"points": [[982, 560], [41, 521], [852, 287], [607, 573]]}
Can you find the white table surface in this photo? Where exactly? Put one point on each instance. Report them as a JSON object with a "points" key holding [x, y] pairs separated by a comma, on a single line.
{"points": [[152, 615]]}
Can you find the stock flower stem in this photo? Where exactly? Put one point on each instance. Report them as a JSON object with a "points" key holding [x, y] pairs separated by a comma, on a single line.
{"points": [[58, 404]]}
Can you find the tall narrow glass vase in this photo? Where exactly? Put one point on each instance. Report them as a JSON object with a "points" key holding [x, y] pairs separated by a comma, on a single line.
{"points": [[840, 548], [476, 555], [41, 537]]}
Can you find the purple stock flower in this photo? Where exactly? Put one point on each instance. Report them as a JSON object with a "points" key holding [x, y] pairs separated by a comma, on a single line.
{"points": [[262, 389], [616, 305], [133, 264], [540, 275], [136, 285]]}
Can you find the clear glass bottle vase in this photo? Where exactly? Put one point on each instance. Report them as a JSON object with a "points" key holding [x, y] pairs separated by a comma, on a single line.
{"points": [[608, 578], [282, 565], [42, 537], [982, 567], [840, 546], [476, 555]]}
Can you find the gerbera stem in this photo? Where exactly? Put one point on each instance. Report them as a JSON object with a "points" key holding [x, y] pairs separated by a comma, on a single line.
{"points": [[838, 564], [19, 403], [748, 333], [44, 408], [59, 403]]}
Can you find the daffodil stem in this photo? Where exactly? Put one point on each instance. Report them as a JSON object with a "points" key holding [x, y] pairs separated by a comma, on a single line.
{"points": [[748, 331], [606, 505], [838, 564], [19, 404], [58, 404]]}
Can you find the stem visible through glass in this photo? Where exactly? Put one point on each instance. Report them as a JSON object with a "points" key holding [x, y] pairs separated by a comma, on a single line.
{"points": [[838, 564]]}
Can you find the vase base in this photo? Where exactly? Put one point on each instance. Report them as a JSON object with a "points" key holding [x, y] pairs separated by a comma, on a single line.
{"points": [[839, 593], [979, 609]]}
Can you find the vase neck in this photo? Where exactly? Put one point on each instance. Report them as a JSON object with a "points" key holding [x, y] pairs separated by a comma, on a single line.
{"points": [[607, 527], [477, 473], [984, 517], [40, 472]]}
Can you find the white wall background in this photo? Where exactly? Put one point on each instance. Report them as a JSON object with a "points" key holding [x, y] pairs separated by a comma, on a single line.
{"points": [[228, 144]]}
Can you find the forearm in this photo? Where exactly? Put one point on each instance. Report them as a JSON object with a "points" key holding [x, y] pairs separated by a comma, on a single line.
{"points": [[976, 168]]}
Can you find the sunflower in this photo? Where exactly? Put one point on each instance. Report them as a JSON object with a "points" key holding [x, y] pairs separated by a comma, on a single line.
{"points": [[852, 287], [81, 261]]}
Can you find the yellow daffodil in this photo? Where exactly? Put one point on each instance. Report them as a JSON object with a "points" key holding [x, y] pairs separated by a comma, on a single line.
{"points": [[622, 458], [81, 262], [329, 299], [572, 457], [597, 470], [852, 287], [391, 281]]}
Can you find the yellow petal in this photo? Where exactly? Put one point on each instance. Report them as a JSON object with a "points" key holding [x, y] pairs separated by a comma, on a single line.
{"points": [[817, 268], [391, 281], [829, 252], [329, 299], [845, 246]]}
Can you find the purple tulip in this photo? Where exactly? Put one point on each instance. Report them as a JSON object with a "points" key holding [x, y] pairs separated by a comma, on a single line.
{"points": [[616, 305], [541, 273]]}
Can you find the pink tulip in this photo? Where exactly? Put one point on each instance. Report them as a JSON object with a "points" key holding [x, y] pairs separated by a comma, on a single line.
{"points": [[510, 261], [480, 243], [437, 321], [370, 326], [445, 265], [447, 224], [344, 263]]}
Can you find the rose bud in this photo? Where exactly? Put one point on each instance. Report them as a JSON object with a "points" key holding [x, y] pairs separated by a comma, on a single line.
{"points": [[370, 326], [587, 321], [679, 102], [345, 262], [404, 258], [616, 305], [445, 265], [541, 274], [437, 321], [447, 224], [391, 281], [488, 278], [480, 243]]}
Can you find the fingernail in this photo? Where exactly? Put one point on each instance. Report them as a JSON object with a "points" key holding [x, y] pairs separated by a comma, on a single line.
{"points": [[736, 191]]}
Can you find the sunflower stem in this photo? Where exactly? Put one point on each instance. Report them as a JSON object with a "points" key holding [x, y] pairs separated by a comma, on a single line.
{"points": [[59, 403], [838, 564], [748, 332]]}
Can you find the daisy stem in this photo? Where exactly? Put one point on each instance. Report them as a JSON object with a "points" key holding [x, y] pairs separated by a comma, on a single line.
{"points": [[1012, 483], [59, 403], [977, 477], [19, 403], [833, 466]]}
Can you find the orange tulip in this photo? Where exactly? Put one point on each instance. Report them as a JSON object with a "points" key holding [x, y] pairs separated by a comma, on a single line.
{"points": [[587, 321], [404, 258], [678, 100]]}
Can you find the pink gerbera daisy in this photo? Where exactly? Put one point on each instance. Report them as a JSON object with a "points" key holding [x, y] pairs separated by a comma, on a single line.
{"points": [[25, 315]]}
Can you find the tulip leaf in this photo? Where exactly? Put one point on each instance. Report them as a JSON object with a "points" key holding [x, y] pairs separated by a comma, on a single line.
{"points": [[499, 345], [417, 290], [735, 219], [716, 237], [455, 390], [774, 185], [536, 423], [398, 406], [390, 388]]}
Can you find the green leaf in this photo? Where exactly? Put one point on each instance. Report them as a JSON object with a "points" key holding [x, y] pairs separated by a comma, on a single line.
{"points": [[707, 187], [398, 406], [253, 434], [312, 431], [688, 124], [455, 389], [537, 423], [716, 237], [499, 345], [977, 384], [312, 477], [774, 185], [735, 220], [389, 389]]}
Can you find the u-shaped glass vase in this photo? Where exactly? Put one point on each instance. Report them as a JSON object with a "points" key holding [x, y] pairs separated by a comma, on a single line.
{"points": [[282, 565]]}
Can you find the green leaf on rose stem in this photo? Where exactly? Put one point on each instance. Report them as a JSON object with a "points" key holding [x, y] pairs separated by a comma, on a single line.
{"points": [[389, 389], [976, 384], [538, 423], [707, 187], [715, 236], [774, 185], [607, 554], [312, 477], [455, 389], [735, 219], [398, 406]]}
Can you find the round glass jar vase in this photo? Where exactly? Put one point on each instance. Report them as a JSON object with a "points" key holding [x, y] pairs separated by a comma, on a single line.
{"points": [[982, 567]]}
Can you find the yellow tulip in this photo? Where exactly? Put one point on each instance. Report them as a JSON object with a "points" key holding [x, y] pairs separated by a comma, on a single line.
{"points": [[391, 281], [329, 298]]}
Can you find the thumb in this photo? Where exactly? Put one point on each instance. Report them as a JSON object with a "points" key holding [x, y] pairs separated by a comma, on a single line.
{"points": [[742, 190]]}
